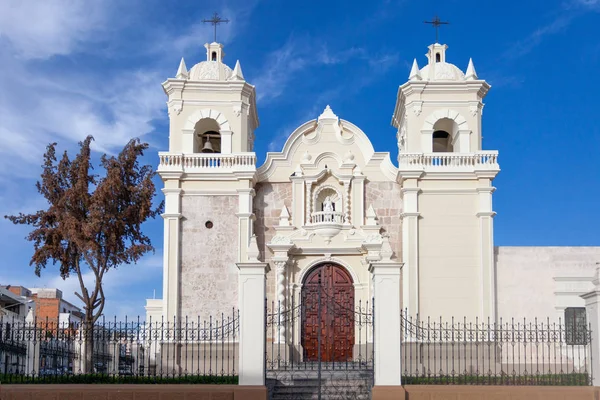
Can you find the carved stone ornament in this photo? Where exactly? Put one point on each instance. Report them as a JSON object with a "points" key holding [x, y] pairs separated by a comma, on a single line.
{"points": [[279, 239], [280, 265], [386, 249], [253, 251], [374, 239], [348, 157], [417, 108], [306, 157], [176, 106], [474, 110]]}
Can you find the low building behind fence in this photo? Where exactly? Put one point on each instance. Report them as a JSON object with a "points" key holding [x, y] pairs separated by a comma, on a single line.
{"points": [[153, 349], [515, 352]]}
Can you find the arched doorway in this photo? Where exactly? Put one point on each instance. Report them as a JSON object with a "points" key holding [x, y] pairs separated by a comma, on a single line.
{"points": [[328, 314]]}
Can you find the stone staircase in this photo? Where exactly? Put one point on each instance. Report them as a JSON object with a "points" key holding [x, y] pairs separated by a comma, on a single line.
{"points": [[334, 385]]}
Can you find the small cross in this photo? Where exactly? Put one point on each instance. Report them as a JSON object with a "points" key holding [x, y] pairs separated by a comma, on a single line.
{"points": [[215, 20], [436, 23]]}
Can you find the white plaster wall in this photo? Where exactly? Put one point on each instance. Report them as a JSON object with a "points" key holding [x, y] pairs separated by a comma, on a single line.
{"points": [[541, 281], [209, 284], [449, 264]]}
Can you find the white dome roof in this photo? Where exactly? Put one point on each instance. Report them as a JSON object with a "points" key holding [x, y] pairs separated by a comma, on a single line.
{"points": [[443, 72], [208, 70]]}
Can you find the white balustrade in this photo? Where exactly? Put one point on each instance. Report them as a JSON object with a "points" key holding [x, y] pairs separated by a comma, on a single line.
{"points": [[327, 217], [206, 162], [458, 161]]}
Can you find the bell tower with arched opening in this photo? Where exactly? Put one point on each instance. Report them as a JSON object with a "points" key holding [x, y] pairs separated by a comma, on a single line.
{"points": [[446, 177], [208, 174]]}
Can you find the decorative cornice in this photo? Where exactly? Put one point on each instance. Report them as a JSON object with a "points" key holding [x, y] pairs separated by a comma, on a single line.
{"points": [[171, 215]]}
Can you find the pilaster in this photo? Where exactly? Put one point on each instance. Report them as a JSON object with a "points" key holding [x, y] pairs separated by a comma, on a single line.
{"points": [[387, 344], [592, 309], [171, 253], [252, 292], [410, 246], [245, 218], [486, 234]]}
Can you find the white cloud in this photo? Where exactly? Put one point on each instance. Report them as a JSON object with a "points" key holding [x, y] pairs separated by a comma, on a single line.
{"points": [[42, 29], [527, 44]]}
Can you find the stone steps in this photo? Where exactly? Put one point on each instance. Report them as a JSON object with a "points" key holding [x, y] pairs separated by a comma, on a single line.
{"points": [[304, 385]]}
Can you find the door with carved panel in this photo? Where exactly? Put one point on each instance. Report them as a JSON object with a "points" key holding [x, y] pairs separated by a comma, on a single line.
{"points": [[328, 314]]}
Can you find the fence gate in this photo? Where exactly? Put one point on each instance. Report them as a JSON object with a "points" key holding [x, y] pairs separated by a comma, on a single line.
{"points": [[321, 345]]}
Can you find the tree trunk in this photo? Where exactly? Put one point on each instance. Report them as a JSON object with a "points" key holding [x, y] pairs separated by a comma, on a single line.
{"points": [[88, 349]]}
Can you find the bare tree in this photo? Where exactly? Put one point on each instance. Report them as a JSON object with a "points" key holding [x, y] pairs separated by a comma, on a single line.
{"points": [[92, 222]]}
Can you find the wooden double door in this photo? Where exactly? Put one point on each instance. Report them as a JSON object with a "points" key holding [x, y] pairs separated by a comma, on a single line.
{"points": [[328, 314]]}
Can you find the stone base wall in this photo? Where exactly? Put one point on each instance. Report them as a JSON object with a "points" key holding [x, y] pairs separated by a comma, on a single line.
{"points": [[209, 276]]}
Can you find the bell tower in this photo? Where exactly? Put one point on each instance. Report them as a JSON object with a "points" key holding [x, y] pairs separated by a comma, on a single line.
{"points": [[208, 174], [447, 190]]}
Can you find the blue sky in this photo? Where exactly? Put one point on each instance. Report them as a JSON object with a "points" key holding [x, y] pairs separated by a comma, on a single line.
{"points": [[73, 68]]}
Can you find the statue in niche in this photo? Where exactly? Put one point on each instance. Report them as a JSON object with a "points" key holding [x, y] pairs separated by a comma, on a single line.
{"points": [[328, 208]]}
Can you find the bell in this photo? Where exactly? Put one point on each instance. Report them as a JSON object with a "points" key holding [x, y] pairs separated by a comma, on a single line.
{"points": [[207, 147]]}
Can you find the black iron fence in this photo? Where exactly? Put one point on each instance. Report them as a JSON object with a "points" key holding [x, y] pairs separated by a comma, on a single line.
{"points": [[515, 352], [130, 351]]}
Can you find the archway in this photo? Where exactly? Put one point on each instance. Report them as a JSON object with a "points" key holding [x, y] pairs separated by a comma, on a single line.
{"points": [[328, 314]]}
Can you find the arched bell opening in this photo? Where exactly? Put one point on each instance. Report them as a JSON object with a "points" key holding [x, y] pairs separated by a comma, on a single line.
{"points": [[444, 131], [207, 136]]}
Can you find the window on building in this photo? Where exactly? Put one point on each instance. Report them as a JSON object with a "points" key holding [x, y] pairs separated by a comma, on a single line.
{"points": [[575, 326]]}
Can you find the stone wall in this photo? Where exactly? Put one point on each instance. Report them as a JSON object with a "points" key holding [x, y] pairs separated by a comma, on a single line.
{"points": [[269, 199], [209, 276], [385, 199]]}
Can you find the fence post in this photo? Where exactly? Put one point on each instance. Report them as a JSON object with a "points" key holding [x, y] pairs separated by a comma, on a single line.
{"points": [[386, 291], [592, 310], [251, 298]]}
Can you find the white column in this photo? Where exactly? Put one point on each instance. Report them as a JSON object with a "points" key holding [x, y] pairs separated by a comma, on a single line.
{"points": [[347, 202], [486, 249], [226, 147], [592, 309], [426, 141], [386, 291], [245, 218], [252, 291], [281, 294], [187, 141], [308, 202], [410, 246], [171, 253]]}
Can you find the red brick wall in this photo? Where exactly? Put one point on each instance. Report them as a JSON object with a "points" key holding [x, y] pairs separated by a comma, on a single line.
{"points": [[46, 309]]}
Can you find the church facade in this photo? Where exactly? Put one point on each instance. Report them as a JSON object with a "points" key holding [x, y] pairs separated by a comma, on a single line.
{"points": [[328, 206]]}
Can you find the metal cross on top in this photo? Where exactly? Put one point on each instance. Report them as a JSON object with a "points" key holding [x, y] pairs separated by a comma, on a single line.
{"points": [[215, 20], [436, 24]]}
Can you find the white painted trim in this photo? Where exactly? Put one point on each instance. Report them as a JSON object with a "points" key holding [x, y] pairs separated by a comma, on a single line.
{"points": [[324, 260], [207, 113], [275, 159], [210, 192], [454, 115]]}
